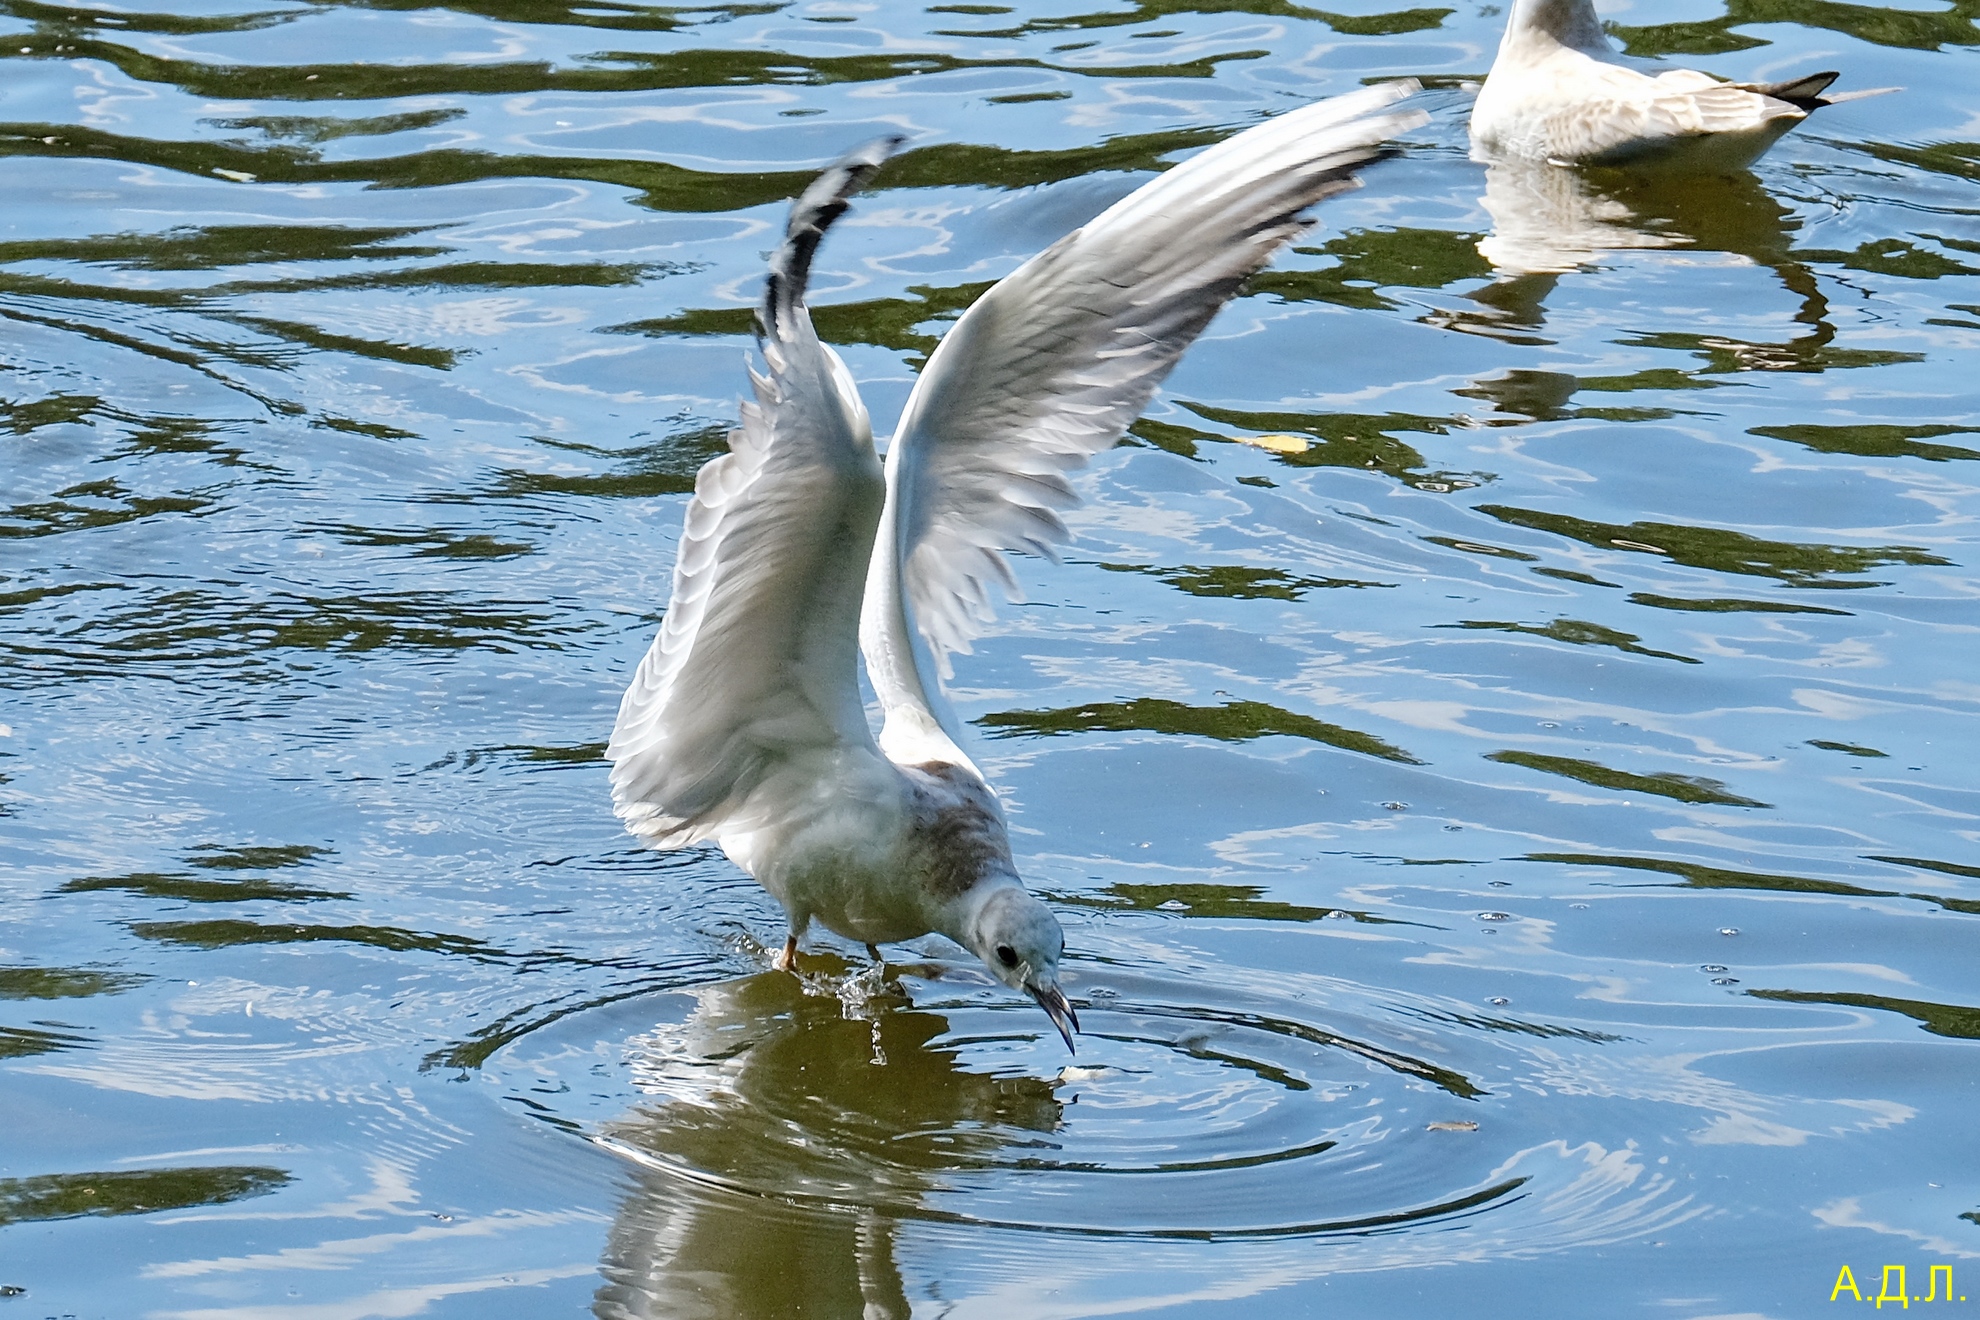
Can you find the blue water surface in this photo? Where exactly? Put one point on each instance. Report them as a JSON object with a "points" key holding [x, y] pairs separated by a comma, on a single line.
{"points": [[1500, 743]]}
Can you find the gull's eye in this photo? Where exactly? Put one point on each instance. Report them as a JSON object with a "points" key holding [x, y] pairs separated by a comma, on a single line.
{"points": [[1007, 955]]}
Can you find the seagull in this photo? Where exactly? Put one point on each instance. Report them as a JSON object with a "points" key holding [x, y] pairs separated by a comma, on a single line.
{"points": [[799, 552], [1559, 92]]}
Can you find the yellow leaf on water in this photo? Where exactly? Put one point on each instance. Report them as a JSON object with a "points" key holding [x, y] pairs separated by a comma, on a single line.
{"points": [[1278, 444], [1463, 1126]]}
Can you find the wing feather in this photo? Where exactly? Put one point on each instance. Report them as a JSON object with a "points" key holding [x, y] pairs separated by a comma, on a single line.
{"points": [[757, 656], [1052, 364]]}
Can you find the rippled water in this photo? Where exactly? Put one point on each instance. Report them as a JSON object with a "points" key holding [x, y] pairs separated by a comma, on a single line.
{"points": [[1517, 818]]}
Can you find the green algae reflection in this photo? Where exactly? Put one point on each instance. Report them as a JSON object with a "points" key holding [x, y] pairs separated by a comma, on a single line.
{"points": [[1238, 581], [1684, 788], [63, 982], [1799, 564], [132, 1191], [1578, 632], [1243, 902], [1865, 440], [194, 889], [1696, 876], [1954, 1020], [1234, 721]]}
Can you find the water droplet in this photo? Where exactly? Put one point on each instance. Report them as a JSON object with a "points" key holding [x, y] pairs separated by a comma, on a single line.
{"points": [[1172, 905], [1728, 930], [1495, 916], [1500, 1000], [1725, 980], [1101, 994], [1395, 806], [1502, 884], [1579, 907], [1711, 967]]}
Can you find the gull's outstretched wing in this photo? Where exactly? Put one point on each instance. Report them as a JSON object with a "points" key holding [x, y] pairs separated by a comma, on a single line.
{"points": [[1051, 366], [757, 657]]}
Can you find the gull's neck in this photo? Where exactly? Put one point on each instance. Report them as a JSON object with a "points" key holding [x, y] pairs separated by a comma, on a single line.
{"points": [[1539, 28]]}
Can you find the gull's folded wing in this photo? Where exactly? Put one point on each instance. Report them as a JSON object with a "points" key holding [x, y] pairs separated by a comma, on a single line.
{"points": [[757, 657], [1051, 366]]}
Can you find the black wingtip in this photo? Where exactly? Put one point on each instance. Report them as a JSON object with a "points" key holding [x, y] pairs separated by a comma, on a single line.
{"points": [[1804, 93], [811, 215]]}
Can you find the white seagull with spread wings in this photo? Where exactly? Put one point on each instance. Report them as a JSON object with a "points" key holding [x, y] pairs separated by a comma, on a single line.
{"points": [[744, 723], [1558, 91]]}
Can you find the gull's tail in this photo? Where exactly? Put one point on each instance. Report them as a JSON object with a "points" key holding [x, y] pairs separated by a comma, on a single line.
{"points": [[811, 215]]}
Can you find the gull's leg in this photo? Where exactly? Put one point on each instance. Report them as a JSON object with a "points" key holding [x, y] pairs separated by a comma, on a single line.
{"points": [[787, 960], [874, 949]]}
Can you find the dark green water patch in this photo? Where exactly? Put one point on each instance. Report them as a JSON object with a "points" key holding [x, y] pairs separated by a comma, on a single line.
{"points": [[530, 757], [1234, 721], [1153, 11], [1954, 1020], [1809, 353], [1243, 902], [216, 247], [1570, 575], [26, 1042], [49, 410], [1727, 605], [1890, 256], [1479, 548], [193, 889], [434, 543], [1903, 28], [1544, 395], [1961, 160], [1352, 440], [315, 129], [1874, 441], [1927, 864], [300, 332], [893, 323], [1579, 633], [665, 466], [606, 71], [1372, 259], [1703, 38], [1696, 876], [254, 857], [91, 505], [63, 982], [1238, 582], [243, 934], [1850, 748], [176, 626], [1684, 788], [132, 1191], [1797, 564], [1515, 1026]]}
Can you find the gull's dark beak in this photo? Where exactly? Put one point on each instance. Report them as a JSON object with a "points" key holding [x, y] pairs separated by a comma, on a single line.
{"points": [[1053, 1001]]}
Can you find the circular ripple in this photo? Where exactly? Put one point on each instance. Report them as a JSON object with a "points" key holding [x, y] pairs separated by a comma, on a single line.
{"points": [[931, 1101]]}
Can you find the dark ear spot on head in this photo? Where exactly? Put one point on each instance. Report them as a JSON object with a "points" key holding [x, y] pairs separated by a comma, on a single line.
{"points": [[1007, 955]]}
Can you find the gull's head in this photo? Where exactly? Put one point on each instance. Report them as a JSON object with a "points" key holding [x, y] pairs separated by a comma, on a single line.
{"points": [[1019, 940]]}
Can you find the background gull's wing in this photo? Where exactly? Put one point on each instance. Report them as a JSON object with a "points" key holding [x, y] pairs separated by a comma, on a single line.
{"points": [[1051, 366], [757, 657]]}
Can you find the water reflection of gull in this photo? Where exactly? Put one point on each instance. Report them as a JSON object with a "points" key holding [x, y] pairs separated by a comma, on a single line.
{"points": [[787, 1135], [810, 1154], [1549, 219]]}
